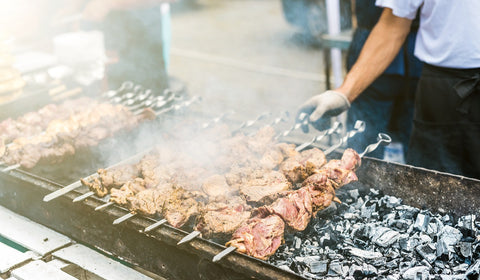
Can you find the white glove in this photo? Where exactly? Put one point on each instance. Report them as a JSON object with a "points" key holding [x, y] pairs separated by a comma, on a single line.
{"points": [[322, 107]]}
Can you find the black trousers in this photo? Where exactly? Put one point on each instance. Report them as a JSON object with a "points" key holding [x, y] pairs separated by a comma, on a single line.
{"points": [[446, 125]]}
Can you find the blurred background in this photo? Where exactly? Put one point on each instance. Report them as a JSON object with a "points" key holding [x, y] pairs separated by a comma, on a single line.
{"points": [[250, 56]]}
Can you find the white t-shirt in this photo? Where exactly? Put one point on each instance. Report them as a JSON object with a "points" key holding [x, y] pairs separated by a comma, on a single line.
{"points": [[449, 33]]}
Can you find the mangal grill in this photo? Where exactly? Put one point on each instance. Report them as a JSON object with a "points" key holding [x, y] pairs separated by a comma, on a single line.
{"points": [[180, 253]]}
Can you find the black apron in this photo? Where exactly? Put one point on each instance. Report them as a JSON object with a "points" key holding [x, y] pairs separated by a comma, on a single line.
{"points": [[446, 127]]}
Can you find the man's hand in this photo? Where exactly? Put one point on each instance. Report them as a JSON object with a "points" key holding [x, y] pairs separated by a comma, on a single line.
{"points": [[320, 108]]}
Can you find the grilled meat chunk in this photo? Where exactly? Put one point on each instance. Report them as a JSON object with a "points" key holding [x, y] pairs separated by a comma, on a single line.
{"points": [[299, 167], [216, 185], [260, 236], [118, 176], [219, 219], [295, 209], [180, 206], [120, 196], [96, 186], [147, 202], [266, 188]]}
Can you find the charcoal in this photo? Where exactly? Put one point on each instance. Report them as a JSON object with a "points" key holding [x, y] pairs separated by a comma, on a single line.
{"points": [[406, 212], [392, 264], [451, 236], [367, 210], [442, 250], [416, 273], [427, 251], [354, 193], [360, 272], [335, 269], [385, 237], [465, 249], [421, 223], [460, 268], [473, 272], [393, 277], [466, 224], [319, 267], [364, 254], [379, 262], [406, 243], [392, 202], [297, 242]]}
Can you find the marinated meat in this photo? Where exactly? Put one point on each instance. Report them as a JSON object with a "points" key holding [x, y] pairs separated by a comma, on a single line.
{"points": [[259, 237], [265, 189], [216, 185], [295, 209], [180, 206], [120, 196], [96, 186], [147, 202], [220, 220], [59, 137], [302, 165], [118, 176]]}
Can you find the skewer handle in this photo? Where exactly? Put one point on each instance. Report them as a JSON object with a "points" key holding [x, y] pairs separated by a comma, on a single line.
{"points": [[358, 128], [224, 253], [155, 225], [382, 138], [189, 237]]}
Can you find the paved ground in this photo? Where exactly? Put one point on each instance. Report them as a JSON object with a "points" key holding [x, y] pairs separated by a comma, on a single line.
{"points": [[243, 55]]}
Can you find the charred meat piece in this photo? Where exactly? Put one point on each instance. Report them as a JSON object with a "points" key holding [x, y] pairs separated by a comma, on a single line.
{"points": [[299, 167], [180, 206], [96, 186], [220, 220], [120, 196], [265, 189], [111, 178], [147, 202], [259, 237], [295, 209], [118, 176]]}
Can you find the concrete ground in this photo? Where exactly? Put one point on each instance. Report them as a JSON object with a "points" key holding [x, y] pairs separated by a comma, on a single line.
{"points": [[243, 55]]}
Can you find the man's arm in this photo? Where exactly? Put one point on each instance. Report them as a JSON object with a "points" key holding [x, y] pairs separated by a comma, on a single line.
{"points": [[381, 47]]}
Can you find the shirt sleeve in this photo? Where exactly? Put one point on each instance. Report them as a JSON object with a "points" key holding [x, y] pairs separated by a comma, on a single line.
{"points": [[401, 8]]}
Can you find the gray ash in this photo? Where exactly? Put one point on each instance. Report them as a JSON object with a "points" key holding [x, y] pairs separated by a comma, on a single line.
{"points": [[372, 236]]}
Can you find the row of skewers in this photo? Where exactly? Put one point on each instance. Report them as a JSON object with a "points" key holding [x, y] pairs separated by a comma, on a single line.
{"points": [[58, 130], [254, 190]]}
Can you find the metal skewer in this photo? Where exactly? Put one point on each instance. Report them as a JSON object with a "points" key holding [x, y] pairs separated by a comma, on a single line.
{"points": [[83, 196], [15, 166], [155, 225], [358, 128], [382, 139], [223, 253], [250, 123], [78, 183], [103, 206], [304, 121], [217, 119], [124, 218], [189, 237], [334, 129]]}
